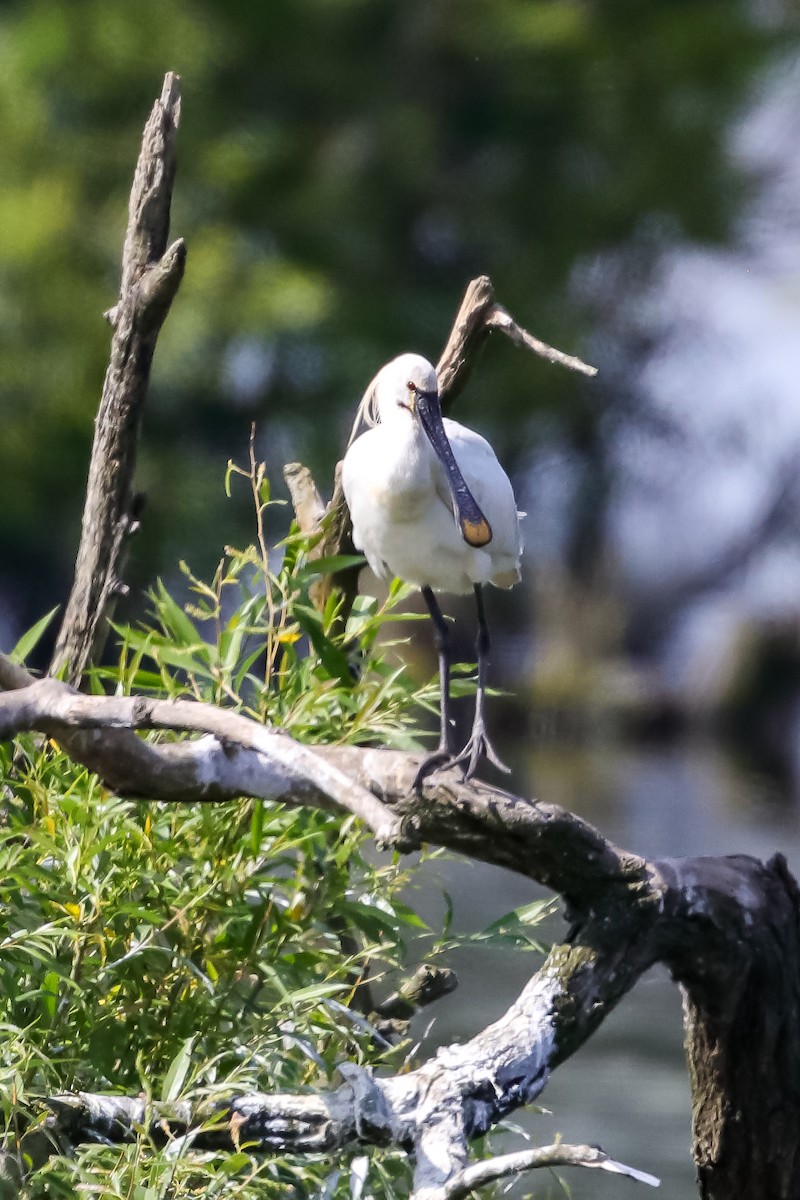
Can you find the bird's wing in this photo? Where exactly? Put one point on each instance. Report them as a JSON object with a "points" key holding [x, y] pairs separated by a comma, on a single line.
{"points": [[488, 483], [356, 484]]}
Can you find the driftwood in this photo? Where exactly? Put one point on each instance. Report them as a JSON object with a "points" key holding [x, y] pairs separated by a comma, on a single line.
{"points": [[727, 928]]}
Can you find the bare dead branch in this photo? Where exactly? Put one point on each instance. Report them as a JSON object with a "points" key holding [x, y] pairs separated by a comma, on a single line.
{"points": [[151, 275], [309, 511], [462, 1091], [559, 1155], [477, 316], [337, 538], [308, 505], [242, 757], [728, 908], [498, 318], [54, 708], [438, 1109], [728, 929], [465, 340], [435, 1110]]}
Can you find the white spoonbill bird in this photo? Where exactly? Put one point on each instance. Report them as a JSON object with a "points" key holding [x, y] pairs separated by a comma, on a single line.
{"points": [[431, 504]]}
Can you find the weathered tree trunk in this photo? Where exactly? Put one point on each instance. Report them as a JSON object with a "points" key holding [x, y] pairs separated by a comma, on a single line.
{"points": [[739, 967]]}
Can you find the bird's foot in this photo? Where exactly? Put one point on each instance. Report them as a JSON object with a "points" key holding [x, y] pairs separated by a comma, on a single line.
{"points": [[477, 748], [440, 758]]}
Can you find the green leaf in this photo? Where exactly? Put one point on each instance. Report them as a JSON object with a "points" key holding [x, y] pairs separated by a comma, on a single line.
{"points": [[447, 923], [514, 927], [257, 827], [49, 993], [328, 564], [30, 640], [177, 622], [318, 991], [232, 1164], [332, 658], [177, 1071]]}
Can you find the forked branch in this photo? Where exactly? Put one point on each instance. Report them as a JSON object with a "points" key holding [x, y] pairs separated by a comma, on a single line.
{"points": [[560, 1155], [438, 1109]]}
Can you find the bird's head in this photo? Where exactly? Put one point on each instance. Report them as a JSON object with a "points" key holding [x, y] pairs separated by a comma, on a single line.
{"points": [[399, 385], [407, 389]]}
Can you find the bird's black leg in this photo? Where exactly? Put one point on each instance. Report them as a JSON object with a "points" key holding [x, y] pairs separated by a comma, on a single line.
{"points": [[479, 746], [446, 750]]}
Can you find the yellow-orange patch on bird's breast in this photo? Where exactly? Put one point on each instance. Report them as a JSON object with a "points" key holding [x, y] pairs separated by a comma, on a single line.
{"points": [[476, 533]]}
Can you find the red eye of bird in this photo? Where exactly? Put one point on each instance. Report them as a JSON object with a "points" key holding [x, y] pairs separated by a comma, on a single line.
{"points": [[412, 387]]}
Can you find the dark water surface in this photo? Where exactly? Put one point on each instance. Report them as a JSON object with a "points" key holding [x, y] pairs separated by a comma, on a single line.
{"points": [[627, 1089]]}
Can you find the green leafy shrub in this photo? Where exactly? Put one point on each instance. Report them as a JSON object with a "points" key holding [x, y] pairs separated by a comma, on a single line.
{"points": [[200, 951], [206, 949]]}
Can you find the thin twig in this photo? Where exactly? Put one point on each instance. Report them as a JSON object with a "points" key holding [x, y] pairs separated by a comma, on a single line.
{"points": [[498, 318]]}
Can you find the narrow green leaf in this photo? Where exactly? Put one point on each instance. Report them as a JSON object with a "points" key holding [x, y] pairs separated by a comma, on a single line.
{"points": [[257, 827], [49, 993], [178, 1069], [178, 623], [329, 563], [332, 658], [232, 1164], [447, 923], [30, 640]]}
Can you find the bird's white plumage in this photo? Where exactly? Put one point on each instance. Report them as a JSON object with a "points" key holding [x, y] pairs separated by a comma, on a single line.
{"points": [[400, 501]]}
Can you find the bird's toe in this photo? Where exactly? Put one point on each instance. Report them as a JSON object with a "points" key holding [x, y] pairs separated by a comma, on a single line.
{"points": [[477, 748], [434, 762]]}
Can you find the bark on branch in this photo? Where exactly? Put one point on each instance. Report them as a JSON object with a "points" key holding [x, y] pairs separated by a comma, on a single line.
{"points": [[151, 275], [240, 757]]}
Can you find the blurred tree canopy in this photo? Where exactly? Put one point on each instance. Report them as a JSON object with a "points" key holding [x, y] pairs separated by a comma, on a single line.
{"points": [[345, 167]]}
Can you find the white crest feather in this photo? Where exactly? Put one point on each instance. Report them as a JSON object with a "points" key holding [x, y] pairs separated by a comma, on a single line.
{"points": [[367, 412]]}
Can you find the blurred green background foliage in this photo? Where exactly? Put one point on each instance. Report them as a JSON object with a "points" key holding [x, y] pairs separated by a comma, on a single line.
{"points": [[345, 166]]}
